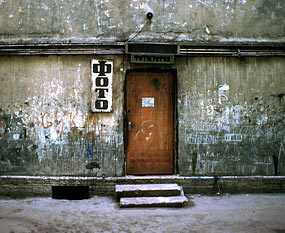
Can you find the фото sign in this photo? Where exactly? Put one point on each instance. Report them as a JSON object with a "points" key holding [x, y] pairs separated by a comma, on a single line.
{"points": [[101, 78]]}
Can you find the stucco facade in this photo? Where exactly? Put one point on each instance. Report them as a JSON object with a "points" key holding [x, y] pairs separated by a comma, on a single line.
{"points": [[229, 114], [99, 21]]}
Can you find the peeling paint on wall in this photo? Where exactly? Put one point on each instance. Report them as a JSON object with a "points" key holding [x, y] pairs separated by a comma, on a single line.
{"points": [[230, 111], [47, 128], [46, 120]]}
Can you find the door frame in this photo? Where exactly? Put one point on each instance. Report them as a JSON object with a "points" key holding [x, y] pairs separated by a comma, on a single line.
{"points": [[175, 114]]}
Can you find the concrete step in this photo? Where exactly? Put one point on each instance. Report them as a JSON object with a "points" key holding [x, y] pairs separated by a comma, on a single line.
{"points": [[172, 201], [147, 190]]}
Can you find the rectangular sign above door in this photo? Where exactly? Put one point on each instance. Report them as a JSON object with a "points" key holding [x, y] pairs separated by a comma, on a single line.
{"points": [[156, 58], [101, 78]]}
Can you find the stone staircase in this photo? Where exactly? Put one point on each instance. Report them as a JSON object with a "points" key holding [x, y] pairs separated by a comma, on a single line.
{"points": [[151, 195]]}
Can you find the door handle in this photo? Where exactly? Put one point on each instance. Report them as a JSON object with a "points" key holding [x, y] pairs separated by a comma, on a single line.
{"points": [[130, 125]]}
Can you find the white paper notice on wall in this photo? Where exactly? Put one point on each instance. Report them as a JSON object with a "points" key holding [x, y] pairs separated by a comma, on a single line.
{"points": [[101, 78], [223, 93], [147, 102]]}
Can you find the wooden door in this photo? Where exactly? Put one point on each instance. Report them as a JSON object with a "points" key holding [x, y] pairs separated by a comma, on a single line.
{"points": [[150, 123]]}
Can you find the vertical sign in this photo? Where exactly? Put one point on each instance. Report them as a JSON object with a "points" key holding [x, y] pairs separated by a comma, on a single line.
{"points": [[102, 75]]}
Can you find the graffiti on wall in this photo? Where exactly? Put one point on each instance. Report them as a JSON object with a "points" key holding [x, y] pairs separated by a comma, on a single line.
{"points": [[60, 121]]}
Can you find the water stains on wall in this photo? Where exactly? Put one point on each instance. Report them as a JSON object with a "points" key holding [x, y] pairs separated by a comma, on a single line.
{"points": [[230, 115], [117, 20], [45, 122]]}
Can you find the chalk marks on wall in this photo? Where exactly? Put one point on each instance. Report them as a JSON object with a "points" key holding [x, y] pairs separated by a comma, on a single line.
{"points": [[233, 138], [201, 139], [212, 139], [230, 136], [73, 136], [145, 130]]}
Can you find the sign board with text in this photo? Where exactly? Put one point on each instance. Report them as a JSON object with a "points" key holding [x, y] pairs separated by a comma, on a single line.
{"points": [[101, 78], [155, 58]]}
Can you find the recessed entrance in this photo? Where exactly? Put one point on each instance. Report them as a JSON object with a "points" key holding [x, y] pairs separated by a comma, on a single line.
{"points": [[150, 123]]}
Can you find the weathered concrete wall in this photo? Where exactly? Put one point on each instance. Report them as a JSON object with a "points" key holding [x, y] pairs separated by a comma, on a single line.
{"points": [[45, 122], [231, 111], [231, 114], [118, 20]]}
